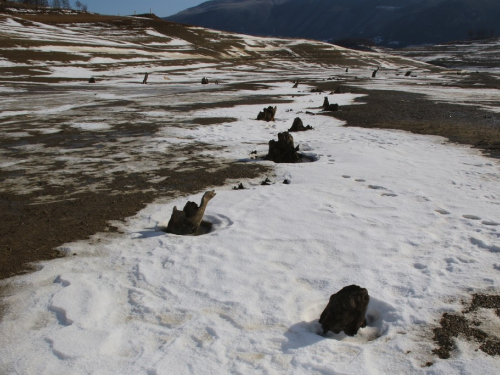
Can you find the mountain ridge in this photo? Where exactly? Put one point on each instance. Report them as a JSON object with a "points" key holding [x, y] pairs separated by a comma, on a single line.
{"points": [[385, 22]]}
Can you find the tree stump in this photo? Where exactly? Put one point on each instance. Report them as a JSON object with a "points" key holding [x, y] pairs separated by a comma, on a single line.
{"points": [[347, 70], [408, 73], [204, 81], [283, 151], [298, 126], [332, 108], [296, 84], [267, 114], [326, 103], [92, 80], [145, 80], [346, 311], [188, 220], [374, 74]]}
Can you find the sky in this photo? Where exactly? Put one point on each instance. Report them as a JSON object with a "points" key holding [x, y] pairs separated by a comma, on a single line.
{"points": [[162, 8]]}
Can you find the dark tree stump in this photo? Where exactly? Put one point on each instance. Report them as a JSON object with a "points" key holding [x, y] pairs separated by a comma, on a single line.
{"points": [[347, 70], [145, 80], [266, 182], [188, 220], [298, 126], [374, 74], [267, 114], [408, 73], [92, 80], [346, 311], [204, 81], [283, 151], [296, 84], [326, 103], [332, 108]]}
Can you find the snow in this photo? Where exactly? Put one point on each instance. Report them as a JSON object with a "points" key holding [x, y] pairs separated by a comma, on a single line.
{"points": [[409, 217], [91, 126], [413, 219]]}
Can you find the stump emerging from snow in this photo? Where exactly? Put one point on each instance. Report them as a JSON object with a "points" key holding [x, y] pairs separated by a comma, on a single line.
{"points": [[204, 81], [188, 220], [145, 80], [267, 114], [332, 108], [298, 126], [408, 73], [283, 151], [326, 103], [92, 80], [346, 311], [296, 85]]}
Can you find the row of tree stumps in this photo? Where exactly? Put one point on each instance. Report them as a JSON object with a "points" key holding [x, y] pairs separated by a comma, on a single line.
{"points": [[346, 309]]}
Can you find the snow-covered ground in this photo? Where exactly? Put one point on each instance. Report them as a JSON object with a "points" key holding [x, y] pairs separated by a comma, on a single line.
{"points": [[413, 219]]}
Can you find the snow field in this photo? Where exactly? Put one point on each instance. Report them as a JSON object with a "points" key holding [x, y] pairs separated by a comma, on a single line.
{"points": [[413, 220]]}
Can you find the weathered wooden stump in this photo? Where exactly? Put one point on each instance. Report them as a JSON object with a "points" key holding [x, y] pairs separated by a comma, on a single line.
{"points": [[347, 70], [188, 220], [204, 81], [374, 74], [267, 114], [408, 73], [326, 103], [298, 126], [145, 80], [332, 108], [266, 182], [283, 150], [346, 311], [92, 80]]}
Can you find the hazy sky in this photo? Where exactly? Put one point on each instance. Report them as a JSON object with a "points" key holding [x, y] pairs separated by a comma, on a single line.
{"points": [[161, 8]]}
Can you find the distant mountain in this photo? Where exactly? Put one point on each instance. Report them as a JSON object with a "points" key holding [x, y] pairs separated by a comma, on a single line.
{"points": [[386, 22]]}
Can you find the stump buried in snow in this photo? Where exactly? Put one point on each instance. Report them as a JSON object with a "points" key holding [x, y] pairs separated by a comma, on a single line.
{"points": [[145, 80], [189, 220], [283, 150], [326, 103], [408, 73], [204, 81], [298, 126], [267, 114], [346, 311], [92, 80]]}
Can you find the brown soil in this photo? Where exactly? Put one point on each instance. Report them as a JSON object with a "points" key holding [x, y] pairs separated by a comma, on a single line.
{"points": [[417, 114], [463, 325], [32, 232]]}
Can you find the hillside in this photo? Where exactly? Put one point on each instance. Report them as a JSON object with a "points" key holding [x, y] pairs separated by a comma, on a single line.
{"points": [[387, 22]]}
